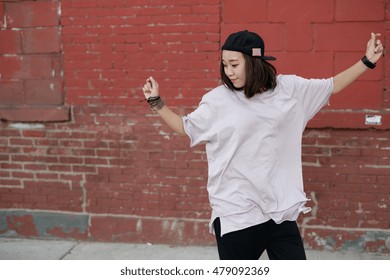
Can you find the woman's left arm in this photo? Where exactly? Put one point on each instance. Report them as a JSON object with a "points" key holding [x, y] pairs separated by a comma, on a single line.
{"points": [[373, 52]]}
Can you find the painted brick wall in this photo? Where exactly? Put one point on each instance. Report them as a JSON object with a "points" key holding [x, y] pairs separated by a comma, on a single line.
{"points": [[115, 172], [31, 83]]}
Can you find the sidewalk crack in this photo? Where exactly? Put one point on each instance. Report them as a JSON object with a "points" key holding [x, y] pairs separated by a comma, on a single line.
{"points": [[69, 251]]}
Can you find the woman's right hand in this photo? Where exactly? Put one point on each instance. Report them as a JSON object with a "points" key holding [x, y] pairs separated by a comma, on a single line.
{"points": [[150, 88]]}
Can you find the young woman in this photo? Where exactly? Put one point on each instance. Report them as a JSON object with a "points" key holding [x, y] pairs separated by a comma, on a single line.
{"points": [[252, 126]]}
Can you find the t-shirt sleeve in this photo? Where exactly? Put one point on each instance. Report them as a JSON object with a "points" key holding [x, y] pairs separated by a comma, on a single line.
{"points": [[313, 94], [198, 124]]}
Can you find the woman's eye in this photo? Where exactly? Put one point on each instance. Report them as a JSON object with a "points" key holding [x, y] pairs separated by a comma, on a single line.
{"points": [[234, 65]]}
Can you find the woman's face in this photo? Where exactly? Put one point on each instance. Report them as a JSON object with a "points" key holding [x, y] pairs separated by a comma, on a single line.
{"points": [[234, 67]]}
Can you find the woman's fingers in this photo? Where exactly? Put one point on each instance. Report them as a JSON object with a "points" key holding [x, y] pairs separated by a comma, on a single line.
{"points": [[153, 85], [150, 88]]}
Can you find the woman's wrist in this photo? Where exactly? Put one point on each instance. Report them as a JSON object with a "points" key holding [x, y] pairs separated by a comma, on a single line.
{"points": [[368, 63], [155, 102]]}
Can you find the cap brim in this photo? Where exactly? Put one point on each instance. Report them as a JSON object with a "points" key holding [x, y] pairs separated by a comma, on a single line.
{"points": [[267, 57]]}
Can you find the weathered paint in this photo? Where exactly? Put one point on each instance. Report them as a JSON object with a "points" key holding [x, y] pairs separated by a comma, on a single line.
{"points": [[43, 224]]}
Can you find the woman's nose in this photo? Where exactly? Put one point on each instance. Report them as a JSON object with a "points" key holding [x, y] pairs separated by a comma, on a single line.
{"points": [[229, 71]]}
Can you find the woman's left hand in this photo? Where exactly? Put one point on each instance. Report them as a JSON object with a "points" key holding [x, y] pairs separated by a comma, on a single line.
{"points": [[150, 88], [374, 48]]}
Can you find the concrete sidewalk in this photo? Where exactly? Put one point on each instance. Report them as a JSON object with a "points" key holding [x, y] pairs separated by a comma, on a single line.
{"points": [[33, 249]]}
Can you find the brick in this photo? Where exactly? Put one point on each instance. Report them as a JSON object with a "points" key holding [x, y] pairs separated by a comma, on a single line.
{"points": [[155, 11], [71, 143], [244, 11], [59, 168], [83, 21], [358, 95], [373, 186], [358, 197], [96, 161], [22, 175], [206, 9], [10, 42], [22, 225], [32, 14], [10, 165], [345, 119], [59, 113], [300, 11], [43, 92], [11, 93], [2, 23], [100, 231], [46, 176], [384, 180], [34, 133], [10, 66], [39, 66], [83, 169], [83, 3], [53, 224], [110, 4], [288, 63], [10, 182], [360, 10], [45, 40], [298, 37], [345, 36]]}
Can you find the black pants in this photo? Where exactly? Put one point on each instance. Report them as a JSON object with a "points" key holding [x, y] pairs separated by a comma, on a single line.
{"points": [[281, 241]]}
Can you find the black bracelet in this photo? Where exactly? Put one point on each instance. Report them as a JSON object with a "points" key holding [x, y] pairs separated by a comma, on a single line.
{"points": [[368, 63], [155, 103]]}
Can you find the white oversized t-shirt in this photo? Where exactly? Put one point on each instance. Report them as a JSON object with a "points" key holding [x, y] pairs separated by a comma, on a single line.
{"points": [[253, 149]]}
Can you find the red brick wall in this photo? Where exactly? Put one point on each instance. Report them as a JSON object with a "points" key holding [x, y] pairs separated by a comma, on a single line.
{"points": [[115, 172]]}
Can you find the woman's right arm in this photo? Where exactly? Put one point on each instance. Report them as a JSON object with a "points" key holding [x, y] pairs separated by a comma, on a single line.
{"points": [[173, 120], [374, 51]]}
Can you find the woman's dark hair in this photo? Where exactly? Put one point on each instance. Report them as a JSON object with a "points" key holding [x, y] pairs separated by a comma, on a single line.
{"points": [[260, 76]]}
